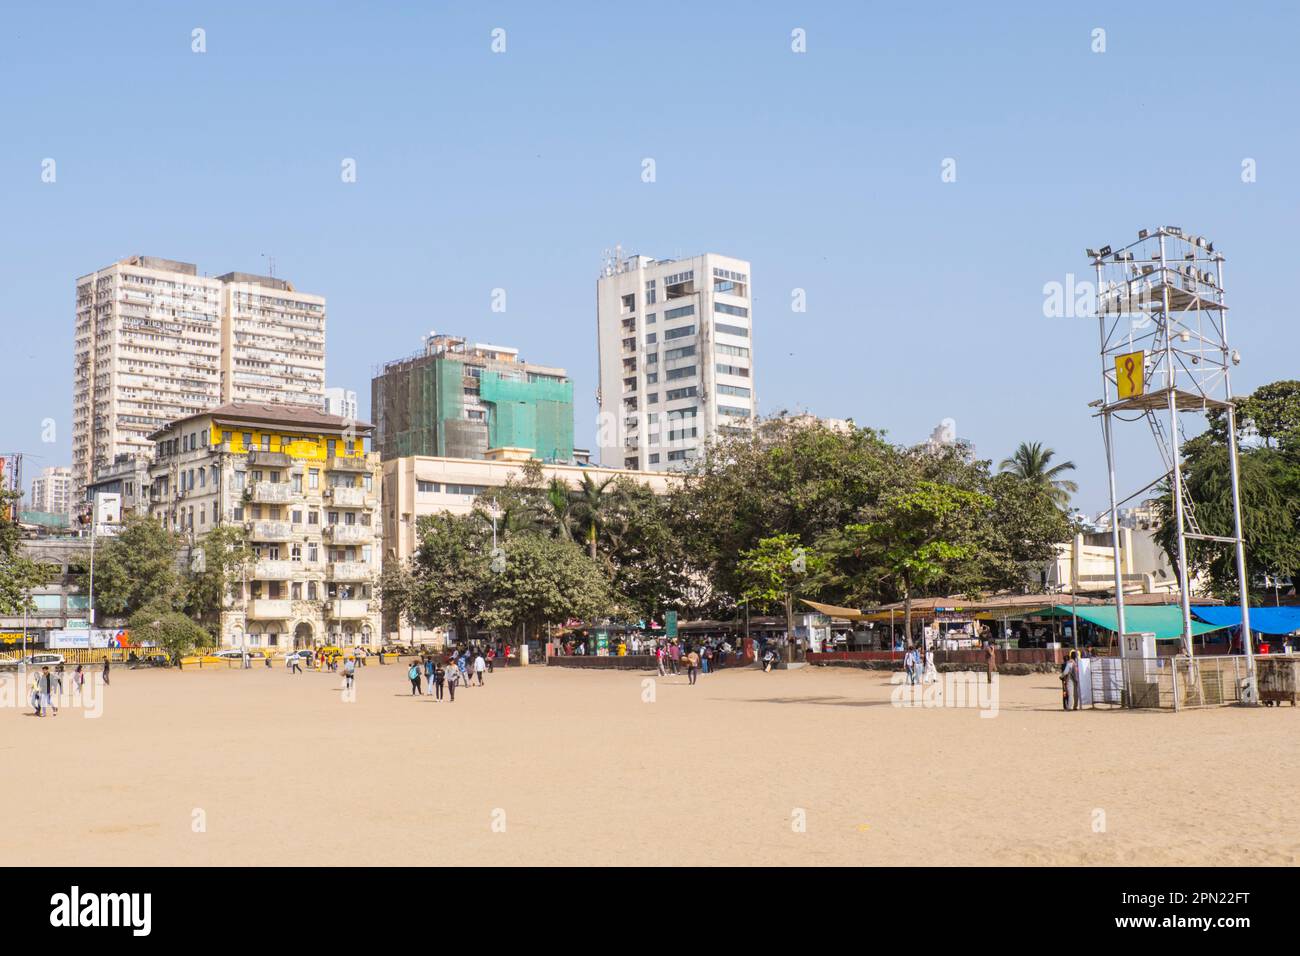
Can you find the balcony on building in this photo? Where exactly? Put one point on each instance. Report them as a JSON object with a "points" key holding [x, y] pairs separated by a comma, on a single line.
{"points": [[271, 492], [356, 466], [268, 570], [349, 533], [348, 497], [349, 571], [270, 459], [267, 609], [270, 530], [348, 609]]}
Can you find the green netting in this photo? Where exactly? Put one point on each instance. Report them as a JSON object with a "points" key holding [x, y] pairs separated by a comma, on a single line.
{"points": [[536, 415]]}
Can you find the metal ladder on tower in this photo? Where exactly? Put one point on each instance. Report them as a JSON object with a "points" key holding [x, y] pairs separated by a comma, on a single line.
{"points": [[1166, 455]]}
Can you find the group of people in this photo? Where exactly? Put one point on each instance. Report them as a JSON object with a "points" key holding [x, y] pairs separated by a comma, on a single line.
{"points": [[47, 687], [430, 673]]}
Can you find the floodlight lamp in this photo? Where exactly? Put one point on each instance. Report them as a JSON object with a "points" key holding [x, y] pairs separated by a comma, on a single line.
{"points": [[1142, 233], [1236, 357], [1105, 251], [1092, 253], [1184, 336]]}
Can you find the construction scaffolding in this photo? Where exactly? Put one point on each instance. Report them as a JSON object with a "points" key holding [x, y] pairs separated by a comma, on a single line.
{"points": [[1162, 318]]}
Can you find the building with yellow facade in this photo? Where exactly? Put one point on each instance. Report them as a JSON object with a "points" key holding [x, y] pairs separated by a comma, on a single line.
{"points": [[308, 493]]}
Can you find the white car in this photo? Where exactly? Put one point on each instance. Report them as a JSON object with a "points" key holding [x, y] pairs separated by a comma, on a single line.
{"points": [[235, 654], [44, 660]]}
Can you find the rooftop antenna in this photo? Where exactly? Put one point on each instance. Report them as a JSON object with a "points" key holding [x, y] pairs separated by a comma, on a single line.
{"points": [[270, 264]]}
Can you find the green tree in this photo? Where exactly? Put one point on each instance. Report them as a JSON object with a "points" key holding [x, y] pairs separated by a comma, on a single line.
{"points": [[921, 535], [557, 511], [158, 623], [1270, 492], [778, 570], [451, 578], [227, 557], [1032, 462], [788, 476], [18, 573], [594, 502], [546, 580], [137, 567]]}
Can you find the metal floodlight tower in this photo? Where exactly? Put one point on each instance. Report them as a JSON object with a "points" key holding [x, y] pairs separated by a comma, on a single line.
{"points": [[1163, 323]]}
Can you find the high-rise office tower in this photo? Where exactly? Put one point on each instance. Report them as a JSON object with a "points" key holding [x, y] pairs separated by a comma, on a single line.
{"points": [[156, 342], [675, 341]]}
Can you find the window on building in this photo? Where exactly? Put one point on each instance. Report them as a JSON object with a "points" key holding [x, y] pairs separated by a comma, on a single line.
{"points": [[654, 458], [676, 393], [426, 487], [738, 370], [670, 314], [737, 390], [313, 479], [313, 552], [675, 373], [731, 329], [730, 310]]}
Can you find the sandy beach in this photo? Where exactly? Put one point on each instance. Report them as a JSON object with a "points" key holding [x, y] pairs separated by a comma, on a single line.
{"points": [[558, 766]]}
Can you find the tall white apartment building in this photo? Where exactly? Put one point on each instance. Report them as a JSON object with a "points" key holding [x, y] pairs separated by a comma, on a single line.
{"points": [[156, 342], [341, 402], [52, 490], [675, 341]]}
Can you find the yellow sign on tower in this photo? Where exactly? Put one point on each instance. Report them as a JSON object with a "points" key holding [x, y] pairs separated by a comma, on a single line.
{"points": [[1130, 370]]}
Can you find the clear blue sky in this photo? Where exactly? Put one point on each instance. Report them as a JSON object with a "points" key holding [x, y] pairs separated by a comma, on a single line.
{"points": [[478, 170]]}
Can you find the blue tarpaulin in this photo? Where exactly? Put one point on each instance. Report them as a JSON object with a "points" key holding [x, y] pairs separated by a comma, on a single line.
{"points": [[1266, 620]]}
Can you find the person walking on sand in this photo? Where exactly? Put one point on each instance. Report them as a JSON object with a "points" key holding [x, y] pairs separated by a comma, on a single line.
{"points": [[990, 659], [47, 692], [437, 677], [413, 675], [78, 679], [659, 660], [692, 662], [349, 672], [428, 674], [462, 669], [36, 696], [105, 674], [480, 666], [453, 678]]}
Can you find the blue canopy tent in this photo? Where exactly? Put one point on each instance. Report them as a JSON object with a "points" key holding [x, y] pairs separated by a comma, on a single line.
{"points": [[1266, 620]]}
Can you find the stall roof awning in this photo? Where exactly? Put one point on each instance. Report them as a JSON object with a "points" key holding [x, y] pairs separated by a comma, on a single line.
{"points": [[1266, 620], [830, 610], [1165, 622]]}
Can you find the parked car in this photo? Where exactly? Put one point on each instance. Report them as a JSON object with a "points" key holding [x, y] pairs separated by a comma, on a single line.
{"points": [[44, 660], [235, 654]]}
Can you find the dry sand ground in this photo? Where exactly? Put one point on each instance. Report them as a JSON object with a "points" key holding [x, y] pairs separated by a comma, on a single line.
{"points": [[585, 772]]}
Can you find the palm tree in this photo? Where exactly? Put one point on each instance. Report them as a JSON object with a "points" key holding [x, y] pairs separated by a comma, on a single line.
{"points": [[594, 500], [557, 507], [1032, 462]]}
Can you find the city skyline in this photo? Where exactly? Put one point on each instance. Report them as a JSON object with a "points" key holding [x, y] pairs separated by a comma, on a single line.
{"points": [[831, 193]]}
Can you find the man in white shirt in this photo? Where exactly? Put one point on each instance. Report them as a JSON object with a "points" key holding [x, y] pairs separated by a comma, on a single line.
{"points": [[480, 666]]}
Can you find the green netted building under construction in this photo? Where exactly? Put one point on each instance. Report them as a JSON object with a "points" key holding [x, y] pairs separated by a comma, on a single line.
{"points": [[457, 400]]}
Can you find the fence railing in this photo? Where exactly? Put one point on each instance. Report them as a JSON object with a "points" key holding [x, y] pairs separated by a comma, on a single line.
{"points": [[1166, 683]]}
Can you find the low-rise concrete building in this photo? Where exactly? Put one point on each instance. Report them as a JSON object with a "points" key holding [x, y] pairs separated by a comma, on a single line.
{"points": [[309, 495]]}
